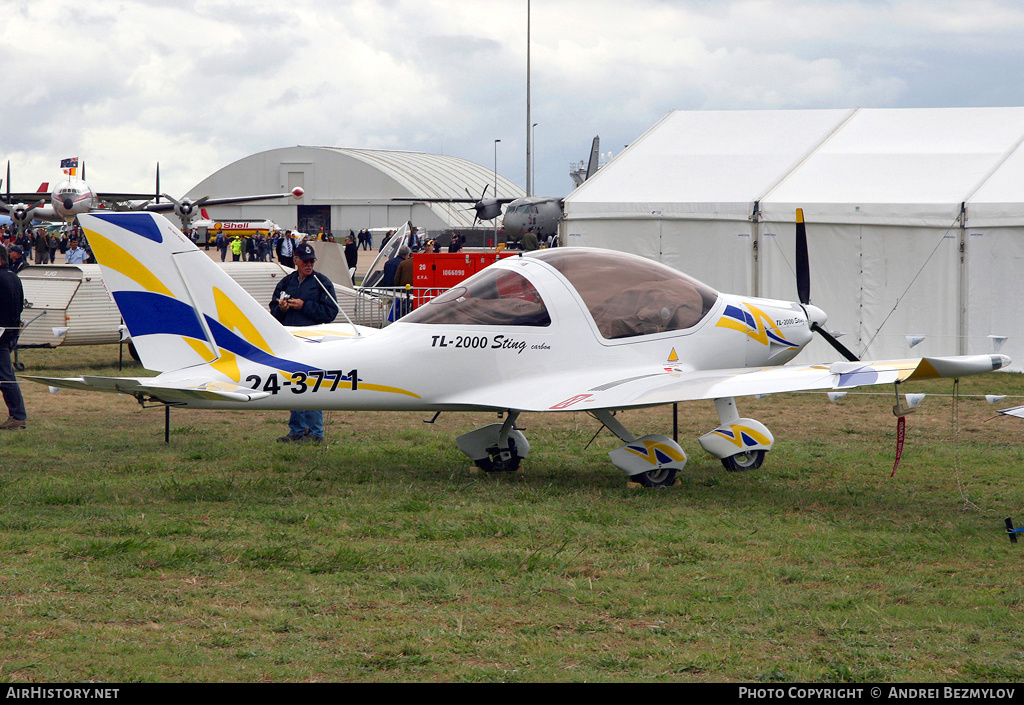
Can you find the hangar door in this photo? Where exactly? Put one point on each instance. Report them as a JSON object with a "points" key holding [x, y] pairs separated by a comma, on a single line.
{"points": [[312, 218]]}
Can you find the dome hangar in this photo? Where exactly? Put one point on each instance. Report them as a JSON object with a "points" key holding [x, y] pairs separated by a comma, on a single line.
{"points": [[352, 189]]}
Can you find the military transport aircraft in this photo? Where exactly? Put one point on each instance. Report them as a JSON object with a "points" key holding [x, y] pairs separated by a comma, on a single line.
{"points": [[539, 214], [563, 329], [73, 196]]}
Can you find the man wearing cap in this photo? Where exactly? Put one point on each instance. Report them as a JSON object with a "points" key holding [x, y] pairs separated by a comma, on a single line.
{"points": [[304, 298], [17, 259]]}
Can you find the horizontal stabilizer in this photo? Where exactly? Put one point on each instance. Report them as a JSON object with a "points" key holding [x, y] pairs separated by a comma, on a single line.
{"points": [[146, 388]]}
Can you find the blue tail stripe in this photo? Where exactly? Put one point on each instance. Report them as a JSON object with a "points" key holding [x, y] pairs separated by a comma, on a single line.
{"points": [[133, 223], [147, 313]]}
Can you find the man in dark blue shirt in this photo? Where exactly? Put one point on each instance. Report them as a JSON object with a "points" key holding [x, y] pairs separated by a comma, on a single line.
{"points": [[304, 298], [12, 301]]}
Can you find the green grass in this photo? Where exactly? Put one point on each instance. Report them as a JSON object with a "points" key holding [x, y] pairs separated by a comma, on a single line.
{"points": [[378, 556]]}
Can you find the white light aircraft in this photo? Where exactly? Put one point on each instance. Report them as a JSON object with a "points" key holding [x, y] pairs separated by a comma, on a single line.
{"points": [[565, 329], [73, 197]]}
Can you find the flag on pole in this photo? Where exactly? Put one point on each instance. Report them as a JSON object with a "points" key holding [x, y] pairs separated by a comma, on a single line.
{"points": [[70, 165]]}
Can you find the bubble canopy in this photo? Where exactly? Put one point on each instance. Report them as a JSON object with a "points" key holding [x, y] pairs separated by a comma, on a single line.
{"points": [[626, 295]]}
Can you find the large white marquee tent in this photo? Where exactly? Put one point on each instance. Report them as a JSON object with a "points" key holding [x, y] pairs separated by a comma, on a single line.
{"points": [[915, 217]]}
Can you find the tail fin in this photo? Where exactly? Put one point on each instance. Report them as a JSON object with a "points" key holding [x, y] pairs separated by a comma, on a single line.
{"points": [[43, 187], [182, 309]]}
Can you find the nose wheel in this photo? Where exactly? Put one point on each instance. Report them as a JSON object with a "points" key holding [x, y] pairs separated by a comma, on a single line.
{"points": [[498, 460], [499, 447]]}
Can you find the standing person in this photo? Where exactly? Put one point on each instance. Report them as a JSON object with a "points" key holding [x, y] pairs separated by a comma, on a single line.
{"points": [[42, 247], [286, 250], [222, 246], [351, 253], [12, 301], [16, 259], [530, 241], [304, 298], [75, 255], [392, 265], [404, 274], [455, 244], [236, 249]]}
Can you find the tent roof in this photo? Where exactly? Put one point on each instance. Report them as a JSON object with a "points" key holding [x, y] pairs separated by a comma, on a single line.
{"points": [[907, 166]]}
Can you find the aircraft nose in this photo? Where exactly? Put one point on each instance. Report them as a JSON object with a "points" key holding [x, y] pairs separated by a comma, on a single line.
{"points": [[68, 202], [815, 316]]}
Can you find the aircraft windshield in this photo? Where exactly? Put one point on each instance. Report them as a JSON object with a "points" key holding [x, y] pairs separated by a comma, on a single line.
{"points": [[494, 297], [629, 295]]}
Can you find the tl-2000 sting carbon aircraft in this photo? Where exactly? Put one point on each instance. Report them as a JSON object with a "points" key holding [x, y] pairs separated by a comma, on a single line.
{"points": [[565, 329]]}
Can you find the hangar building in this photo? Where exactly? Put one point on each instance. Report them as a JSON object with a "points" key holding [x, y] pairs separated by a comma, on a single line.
{"points": [[915, 218], [352, 189]]}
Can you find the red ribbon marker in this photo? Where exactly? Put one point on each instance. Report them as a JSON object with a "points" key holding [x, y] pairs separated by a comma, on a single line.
{"points": [[901, 434]]}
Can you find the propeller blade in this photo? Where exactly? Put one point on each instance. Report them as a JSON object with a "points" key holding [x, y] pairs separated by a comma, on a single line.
{"points": [[839, 347], [803, 267]]}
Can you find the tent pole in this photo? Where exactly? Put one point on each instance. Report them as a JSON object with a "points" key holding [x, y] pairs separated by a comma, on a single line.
{"points": [[755, 241], [962, 294]]}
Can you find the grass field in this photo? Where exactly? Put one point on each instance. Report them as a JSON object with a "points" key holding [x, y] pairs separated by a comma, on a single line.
{"points": [[378, 556]]}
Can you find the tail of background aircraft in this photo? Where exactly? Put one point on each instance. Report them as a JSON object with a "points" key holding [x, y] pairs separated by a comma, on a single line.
{"points": [[43, 187], [181, 309]]}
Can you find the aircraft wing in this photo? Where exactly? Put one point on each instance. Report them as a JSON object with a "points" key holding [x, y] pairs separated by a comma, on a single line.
{"points": [[594, 389], [189, 390], [28, 197], [453, 200], [111, 197], [210, 202]]}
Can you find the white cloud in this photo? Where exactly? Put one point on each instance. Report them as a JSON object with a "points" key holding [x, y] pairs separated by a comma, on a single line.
{"points": [[198, 85]]}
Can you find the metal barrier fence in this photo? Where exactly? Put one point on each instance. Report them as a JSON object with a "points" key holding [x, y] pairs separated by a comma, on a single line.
{"points": [[379, 306]]}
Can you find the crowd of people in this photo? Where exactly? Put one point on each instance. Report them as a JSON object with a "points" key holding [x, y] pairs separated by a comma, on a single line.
{"points": [[44, 246]]}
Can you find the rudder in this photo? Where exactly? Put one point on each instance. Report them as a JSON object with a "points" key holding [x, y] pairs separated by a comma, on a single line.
{"points": [[180, 308]]}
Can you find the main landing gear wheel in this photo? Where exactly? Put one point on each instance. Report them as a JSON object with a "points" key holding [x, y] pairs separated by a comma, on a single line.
{"points": [[662, 477], [750, 460], [495, 463]]}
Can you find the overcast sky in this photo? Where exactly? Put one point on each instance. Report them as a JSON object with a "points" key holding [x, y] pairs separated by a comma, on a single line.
{"points": [[123, 84]]}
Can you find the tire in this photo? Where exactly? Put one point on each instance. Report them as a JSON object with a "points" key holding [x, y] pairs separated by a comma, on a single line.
{"points": [[662, 477], [494, 462], [750, 460], [133, 352]]}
